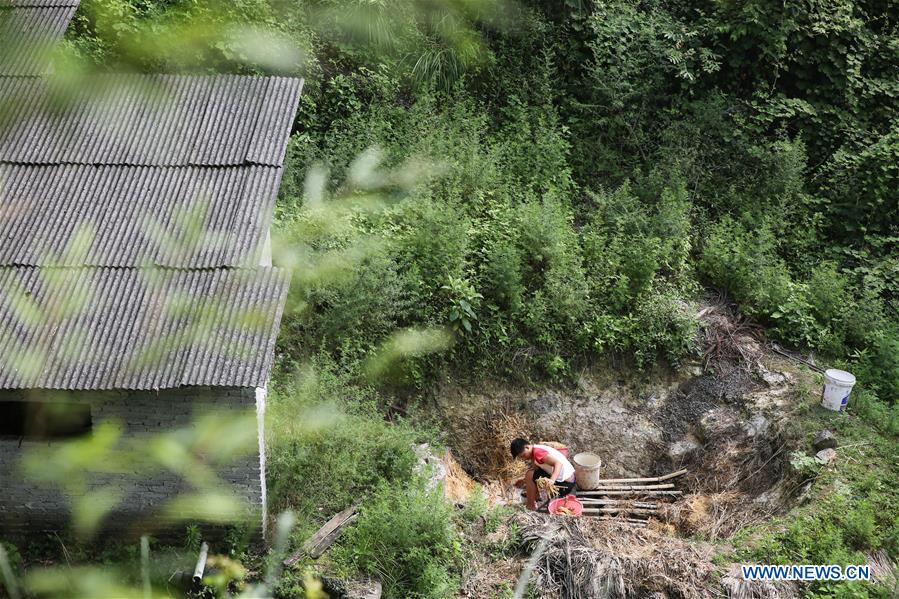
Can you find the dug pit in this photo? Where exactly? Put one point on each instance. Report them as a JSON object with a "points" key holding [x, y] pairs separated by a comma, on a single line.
{"points": [[719, 417]]}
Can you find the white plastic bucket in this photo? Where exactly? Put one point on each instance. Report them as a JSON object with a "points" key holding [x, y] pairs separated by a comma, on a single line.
{"points": [[587, 468], [837, 387]]}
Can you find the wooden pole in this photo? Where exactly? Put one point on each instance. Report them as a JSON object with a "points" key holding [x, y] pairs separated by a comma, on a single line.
{"points": [[581, 493], [619, 502], [652, 479], [629, 521], [325, 536], [617, 510], [620, 519], [629, 488]]}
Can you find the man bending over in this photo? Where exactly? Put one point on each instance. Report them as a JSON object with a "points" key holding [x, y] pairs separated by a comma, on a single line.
{"points": [[546, 462]]}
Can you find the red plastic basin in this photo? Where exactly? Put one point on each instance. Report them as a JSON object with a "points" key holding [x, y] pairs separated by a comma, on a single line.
{"points": [[569, 501]]}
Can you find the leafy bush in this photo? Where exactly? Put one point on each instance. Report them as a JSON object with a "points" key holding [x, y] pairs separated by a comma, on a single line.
{"points": [[664, 324], [826, 312], [371, 300], [490, 248], [629, 243], [431, 243], [878, 364], [556, 288], [13, 559], [621, 254], [875, 410], [405, 537], [533, 147], [328, 446], [860, 181], [182, 34]]}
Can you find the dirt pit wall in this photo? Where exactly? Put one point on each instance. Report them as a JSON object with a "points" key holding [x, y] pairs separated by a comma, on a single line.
{"points": [[724, 426], [722, 418], [609, 418]]}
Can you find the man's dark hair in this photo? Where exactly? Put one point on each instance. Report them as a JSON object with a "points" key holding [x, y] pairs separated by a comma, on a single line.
{"points": [[517, 446]]}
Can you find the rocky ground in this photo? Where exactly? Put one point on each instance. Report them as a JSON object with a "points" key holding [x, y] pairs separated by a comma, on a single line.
{"points": [[721, 417]]}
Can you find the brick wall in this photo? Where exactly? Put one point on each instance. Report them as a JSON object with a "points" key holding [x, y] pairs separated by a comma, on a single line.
{"points": [[27, 507]]}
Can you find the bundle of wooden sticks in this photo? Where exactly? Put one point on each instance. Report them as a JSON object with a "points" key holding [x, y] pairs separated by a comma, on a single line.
{"points": [[631, 500]]}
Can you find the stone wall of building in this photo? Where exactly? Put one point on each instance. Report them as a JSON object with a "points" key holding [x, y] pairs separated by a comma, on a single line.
{"points": [[145, 487]]}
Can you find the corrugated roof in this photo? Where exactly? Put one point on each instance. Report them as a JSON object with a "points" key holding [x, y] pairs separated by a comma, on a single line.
{"points": [[29, 30], [134, 216], [101, 328], [39, 3], [151, 120], [138, 162]]}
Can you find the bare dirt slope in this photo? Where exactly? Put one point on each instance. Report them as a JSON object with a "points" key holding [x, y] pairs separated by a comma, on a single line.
{"points": [[720, 416]]}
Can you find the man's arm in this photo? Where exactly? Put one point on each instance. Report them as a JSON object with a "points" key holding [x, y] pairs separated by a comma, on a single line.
{"points": [[557, 468]]}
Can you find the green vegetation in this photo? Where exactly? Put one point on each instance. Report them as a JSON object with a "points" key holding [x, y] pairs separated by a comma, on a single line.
{"points": [[595, 173], [851, 511], [594, 165], [598, 168], [329, 449], [497, 255], [406, 538], [555, 183], [326, 452]]}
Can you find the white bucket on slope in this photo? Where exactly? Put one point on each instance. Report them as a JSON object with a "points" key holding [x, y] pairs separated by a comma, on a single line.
{"points": [[587, 470], [837, 387]]}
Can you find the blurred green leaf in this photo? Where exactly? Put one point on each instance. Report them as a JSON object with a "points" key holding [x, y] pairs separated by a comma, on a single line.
{"points": [[406, 344]]}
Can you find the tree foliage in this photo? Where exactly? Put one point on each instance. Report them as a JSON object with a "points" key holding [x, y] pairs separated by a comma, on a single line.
{"points": [[601, 162]]}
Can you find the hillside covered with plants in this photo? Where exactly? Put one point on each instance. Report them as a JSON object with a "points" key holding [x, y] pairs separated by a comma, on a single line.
{"points": [[521, 190], [593, 167], [592, 171]]}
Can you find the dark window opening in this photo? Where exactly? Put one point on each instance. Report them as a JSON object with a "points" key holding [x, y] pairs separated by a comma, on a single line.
{"points": [[44, 420]]}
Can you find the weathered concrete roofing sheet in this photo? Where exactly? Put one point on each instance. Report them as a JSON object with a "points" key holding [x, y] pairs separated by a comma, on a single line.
{"points": [[110, 328], [133, 159], [38, 3], [135, 215], [100, 187], [150, 120], [29, 30]]}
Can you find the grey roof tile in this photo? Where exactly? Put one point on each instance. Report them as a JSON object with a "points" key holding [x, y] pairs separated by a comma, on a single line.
{"points": [[39, 3], [127, 156], [192, 217], [28, 33], [151, 120], [126, 328]]}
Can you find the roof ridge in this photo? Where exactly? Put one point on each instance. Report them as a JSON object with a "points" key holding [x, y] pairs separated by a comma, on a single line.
{"points": [[39, 3], [245, 163], [254, 268]]}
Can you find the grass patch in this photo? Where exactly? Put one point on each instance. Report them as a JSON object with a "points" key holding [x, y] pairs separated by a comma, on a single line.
{"points": [[851, 510], [329, 448], [406, 537]]}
